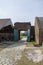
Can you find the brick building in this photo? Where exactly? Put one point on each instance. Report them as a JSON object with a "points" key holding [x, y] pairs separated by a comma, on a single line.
{"points": [[24, 26], [39, 30], [20, 26], [6, 30]]}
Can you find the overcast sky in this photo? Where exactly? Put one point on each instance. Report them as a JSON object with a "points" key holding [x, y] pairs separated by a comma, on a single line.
{"points": [[21, 10]]}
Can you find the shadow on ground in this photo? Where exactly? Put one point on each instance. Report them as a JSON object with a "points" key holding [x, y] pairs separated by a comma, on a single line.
{"points": [[37, 45], [14, 44]]}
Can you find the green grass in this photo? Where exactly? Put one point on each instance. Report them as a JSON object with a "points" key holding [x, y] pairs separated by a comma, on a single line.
{"points": [[30, 43]]}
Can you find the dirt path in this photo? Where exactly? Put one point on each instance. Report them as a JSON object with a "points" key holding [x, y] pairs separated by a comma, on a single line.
{"points": [[11, 54]]}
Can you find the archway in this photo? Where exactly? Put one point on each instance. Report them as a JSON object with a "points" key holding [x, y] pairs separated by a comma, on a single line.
{"points": [[24, 26]]}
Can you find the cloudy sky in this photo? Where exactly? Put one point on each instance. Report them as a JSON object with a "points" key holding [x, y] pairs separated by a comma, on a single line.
{"points": [[21, 10]]}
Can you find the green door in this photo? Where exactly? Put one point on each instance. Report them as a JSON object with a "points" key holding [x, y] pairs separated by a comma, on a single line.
{"points": [[15, 35]]}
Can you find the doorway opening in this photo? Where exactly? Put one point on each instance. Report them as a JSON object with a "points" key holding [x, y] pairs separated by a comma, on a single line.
{"points": [[23, 35]]}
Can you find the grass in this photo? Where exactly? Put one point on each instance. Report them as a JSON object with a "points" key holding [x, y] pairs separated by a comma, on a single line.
{"points": [[25, 61], [30, 43]]}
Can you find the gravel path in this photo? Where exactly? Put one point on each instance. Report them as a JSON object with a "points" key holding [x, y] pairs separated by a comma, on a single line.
{"points": [[11, 54], [35, 55]]}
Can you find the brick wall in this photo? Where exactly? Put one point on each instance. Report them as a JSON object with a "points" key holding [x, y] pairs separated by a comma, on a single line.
{"points": [[22, 26], [6, 37]]}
